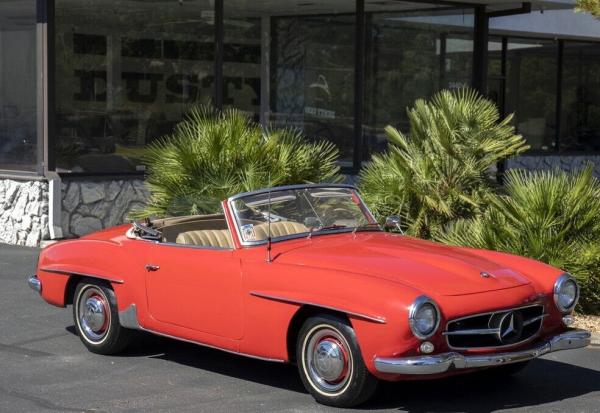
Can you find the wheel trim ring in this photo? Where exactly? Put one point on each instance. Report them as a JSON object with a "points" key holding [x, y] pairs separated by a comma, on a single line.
{"points": [[93, 336], [319, 334]]}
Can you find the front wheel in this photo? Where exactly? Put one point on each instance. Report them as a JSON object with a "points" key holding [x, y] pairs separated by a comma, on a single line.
{"points": [[330, 363], [97, 319]]}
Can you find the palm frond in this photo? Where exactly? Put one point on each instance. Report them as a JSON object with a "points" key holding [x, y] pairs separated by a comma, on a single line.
{"points": [[214, 154]]}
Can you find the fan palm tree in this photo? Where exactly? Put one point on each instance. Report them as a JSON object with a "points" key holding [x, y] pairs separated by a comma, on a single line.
{"points": [[440, 171], [212, 155], [553, 217]]}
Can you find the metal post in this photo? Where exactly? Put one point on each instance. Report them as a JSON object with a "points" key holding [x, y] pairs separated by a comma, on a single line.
{"points": [[480, 49], [219, 44], [45, 86], [559, 90], [359, 90], [265, 64]]}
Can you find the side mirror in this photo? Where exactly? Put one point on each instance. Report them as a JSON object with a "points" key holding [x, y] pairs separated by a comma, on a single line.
{"points": [[393, 222]]}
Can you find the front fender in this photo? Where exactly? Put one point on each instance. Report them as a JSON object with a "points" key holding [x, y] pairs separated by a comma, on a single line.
{"points": [[376, 308]]}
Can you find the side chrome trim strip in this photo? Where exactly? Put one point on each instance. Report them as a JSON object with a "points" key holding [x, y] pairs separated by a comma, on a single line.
{"points": [[375, 319], [213, 347], [66, 272], [441, 363]]}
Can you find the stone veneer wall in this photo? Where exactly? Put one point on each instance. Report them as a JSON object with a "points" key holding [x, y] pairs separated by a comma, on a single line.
{"points": [[88, 206], [23, 212], [567, 163]]}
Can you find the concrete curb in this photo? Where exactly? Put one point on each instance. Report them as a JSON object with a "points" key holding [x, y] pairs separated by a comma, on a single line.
{"points": [[596, 339]]}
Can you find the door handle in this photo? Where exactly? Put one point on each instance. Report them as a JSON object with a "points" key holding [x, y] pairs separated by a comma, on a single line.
{"points": [[152, 267]]}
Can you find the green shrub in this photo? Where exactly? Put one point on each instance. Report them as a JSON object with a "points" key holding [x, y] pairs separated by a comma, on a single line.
{"points": [[590, 6], [212, 155], [553, 217], [440, 172]]}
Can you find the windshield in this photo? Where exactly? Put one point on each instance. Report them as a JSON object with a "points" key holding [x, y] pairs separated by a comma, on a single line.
{"points": [[308, 211]]}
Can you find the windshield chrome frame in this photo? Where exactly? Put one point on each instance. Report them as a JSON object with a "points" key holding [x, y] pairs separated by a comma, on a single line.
{"points": [[300, 235]]}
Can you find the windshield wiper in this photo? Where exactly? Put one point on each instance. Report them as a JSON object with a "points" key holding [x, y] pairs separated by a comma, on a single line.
{"points": [[365, 227], [334, 226]]}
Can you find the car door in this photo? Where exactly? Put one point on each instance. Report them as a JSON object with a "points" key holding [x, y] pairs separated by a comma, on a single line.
{"points": [[198, 288]]}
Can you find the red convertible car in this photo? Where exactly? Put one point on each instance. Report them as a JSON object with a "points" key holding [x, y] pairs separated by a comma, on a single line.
{"points": [[304, 274]]}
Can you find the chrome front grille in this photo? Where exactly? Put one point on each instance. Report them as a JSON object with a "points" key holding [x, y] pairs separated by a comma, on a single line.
{"points": [[495, 329]]}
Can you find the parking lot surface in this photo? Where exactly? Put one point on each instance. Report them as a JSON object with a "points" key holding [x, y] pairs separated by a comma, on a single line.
{"points": [[44, 367]]}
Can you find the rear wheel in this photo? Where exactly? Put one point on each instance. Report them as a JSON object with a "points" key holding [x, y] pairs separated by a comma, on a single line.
{"points": [[330, 363], [97, 319]]}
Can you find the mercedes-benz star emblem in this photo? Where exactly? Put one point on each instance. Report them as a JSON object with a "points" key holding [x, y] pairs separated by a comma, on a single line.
{"points": [[510, 328]]}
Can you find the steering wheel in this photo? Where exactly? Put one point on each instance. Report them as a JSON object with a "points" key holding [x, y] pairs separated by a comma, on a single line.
{"points": [[335, 214]]}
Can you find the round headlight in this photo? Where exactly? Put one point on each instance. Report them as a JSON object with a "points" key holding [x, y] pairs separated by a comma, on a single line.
{"points": [[566, 293], [424, 317]]}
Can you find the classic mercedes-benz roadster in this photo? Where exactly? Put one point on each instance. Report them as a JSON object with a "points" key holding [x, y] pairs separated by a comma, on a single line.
{"points": [[304, 274]]}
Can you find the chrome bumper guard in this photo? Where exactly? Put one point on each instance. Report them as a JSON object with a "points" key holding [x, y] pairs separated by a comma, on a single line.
{"points": [[35, 284], [441, 363]]}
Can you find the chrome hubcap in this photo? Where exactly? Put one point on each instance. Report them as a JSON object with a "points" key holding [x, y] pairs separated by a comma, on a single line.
{"points": [[94, 314], [327, 359]]}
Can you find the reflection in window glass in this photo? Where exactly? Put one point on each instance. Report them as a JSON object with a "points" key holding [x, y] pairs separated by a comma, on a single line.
{"points": [[126, 72], [312, 76], [18, 130], [242, 28], [580, 124], [412, 54], [531, 90], [496, 82], [292, 65]]}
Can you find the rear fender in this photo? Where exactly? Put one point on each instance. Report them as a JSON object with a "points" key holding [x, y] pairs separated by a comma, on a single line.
{"points": [[61, 265]]}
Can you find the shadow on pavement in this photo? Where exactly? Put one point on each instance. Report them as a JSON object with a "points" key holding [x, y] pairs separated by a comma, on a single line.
{"points": [[278, 375], [542, 381]]}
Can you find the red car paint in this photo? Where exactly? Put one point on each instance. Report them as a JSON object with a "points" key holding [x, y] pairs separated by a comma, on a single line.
{"points": [[217, 297]]}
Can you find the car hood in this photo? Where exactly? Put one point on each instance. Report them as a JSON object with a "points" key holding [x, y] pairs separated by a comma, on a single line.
{"points": [[427, 266]]}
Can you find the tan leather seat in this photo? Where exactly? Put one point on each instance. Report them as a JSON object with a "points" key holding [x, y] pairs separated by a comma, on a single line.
{"points": [[278, 229], [219, 238]]}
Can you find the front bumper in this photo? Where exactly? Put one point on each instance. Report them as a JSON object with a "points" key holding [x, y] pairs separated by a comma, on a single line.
{"points": [[35, 283], [441, 363]]}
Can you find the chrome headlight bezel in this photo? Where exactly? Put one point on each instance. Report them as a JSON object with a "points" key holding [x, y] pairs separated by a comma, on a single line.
{"points": [[413, 311], [561, 281]]}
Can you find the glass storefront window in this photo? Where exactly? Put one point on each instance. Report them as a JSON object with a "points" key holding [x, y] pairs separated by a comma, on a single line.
{"points": [[412, 53], [126, 72], [18, 69], [496, 82], [312, 76], [531, 90], [292, 65], [242, 56], [580, 122]]}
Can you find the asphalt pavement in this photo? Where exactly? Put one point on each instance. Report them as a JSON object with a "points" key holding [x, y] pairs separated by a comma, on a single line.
{"points": [[44, 367]]}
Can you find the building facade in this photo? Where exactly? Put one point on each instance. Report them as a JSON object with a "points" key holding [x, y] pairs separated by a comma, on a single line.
{"points": [[86, 84]]}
